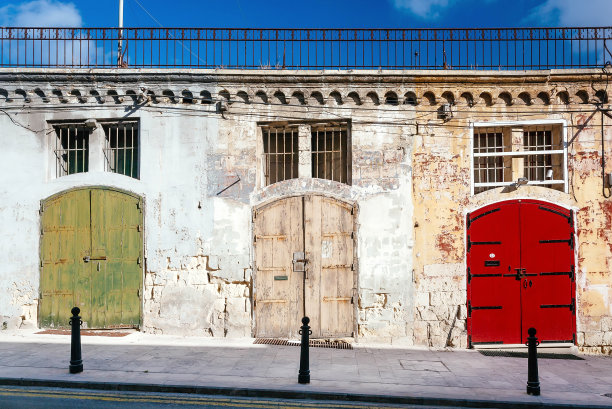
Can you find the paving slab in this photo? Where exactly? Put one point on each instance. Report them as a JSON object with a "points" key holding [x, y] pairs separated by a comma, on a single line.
{"points": [[369, 372]]}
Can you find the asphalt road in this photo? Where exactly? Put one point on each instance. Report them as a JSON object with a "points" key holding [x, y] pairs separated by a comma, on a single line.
{"points": [[15, 397]]}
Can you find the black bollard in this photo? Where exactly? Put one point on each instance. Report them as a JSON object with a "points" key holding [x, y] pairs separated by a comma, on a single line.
{"points": [[304, 374], [533, 381], [76, 362]]}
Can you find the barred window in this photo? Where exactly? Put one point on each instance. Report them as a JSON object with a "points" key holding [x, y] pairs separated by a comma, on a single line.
{"points": [[280, 146], [121, 151], [537, 154], [71, 149], [330, 153]]}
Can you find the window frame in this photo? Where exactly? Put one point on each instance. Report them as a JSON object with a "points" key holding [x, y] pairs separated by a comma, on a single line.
{"points": [[109, 151], [525, 125], [57, 141]]}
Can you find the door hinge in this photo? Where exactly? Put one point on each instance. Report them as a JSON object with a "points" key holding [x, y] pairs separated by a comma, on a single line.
{"points": [[352, 211], [572, 306], [352, 334], [139, 227], [139, 261], [469, 308], [570, 219], [468, 221], [42, 207], [352, 235], [254, 303], [352, 299], [41, 264], [138, 205], [352, 267], [469, 244], [254, 238], [254, 216], [469, 275], [571, 241], [138, 293], [572, 273]]}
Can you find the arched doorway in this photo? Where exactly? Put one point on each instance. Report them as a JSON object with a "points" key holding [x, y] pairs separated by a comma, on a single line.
{"points": [[520, 273], [319, 230], [91, 257]]}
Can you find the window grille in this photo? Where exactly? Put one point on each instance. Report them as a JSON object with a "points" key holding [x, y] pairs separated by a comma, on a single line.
{"points": [[71, 149], [280, 153], [121, 148], [330, 153], [541, 149]]}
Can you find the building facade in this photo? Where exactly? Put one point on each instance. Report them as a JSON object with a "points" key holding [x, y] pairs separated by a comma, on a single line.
{"points": [[435, 208]]}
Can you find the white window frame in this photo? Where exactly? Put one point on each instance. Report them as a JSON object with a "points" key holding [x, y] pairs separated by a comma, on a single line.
{"points": [[524, 124]]}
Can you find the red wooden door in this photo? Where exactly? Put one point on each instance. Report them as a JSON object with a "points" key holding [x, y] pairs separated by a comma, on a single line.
{"points": [[520, 272], [547, 279]]}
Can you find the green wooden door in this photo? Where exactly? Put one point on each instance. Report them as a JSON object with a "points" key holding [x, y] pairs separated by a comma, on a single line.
{"points": [[91, 255]]}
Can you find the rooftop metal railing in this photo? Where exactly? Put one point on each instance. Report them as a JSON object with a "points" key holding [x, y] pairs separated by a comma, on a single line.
{"points": [[344, 49]]}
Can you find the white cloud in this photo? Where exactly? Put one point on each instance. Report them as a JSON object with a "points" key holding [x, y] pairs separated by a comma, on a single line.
{"points": [[41, 13], [572, 13], [427, 9]]}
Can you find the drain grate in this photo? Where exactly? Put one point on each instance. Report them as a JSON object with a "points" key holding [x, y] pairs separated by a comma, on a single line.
{"points": [[315, 343], [541, 355]]}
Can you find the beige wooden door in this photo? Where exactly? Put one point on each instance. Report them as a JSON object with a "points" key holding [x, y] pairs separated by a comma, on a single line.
{"points": [[323, 229]]}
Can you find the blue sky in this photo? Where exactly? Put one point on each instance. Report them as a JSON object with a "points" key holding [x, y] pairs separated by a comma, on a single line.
{"points": [[310, 13]]}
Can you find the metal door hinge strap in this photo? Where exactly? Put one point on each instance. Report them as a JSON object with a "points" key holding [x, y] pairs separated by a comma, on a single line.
{"points": [[470, 221], [569, 241], [569, 219], [487, 275], [571, 306], [480, 243], [558, 273], [490, 307]]}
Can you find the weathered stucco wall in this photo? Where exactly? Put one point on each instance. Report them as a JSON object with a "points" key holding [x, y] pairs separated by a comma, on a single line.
{"points": [[411, 183]]}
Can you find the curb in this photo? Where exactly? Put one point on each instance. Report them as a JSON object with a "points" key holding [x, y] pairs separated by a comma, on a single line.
{"points": [[290, 394]]}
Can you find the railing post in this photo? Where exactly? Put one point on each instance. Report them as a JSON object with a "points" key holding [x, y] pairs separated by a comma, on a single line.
{"points": [[304, 374], [76, 361], [533, 381]]}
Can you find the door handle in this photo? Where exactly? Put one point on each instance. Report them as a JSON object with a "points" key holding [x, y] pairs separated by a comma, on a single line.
{"points": [[525, 284], [518, 273], [87, 259], [530, 283]]}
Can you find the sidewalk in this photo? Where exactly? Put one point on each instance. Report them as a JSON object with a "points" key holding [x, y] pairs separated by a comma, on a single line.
{"points": [[375, 373]]}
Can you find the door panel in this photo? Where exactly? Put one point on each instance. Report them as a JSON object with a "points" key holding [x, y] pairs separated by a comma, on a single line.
{"points": [[91, 251], [278, 234], [65, 241], [335, 257], [547, 282], [280, 229], [493, 290], [115, 260], [533, 285]]}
